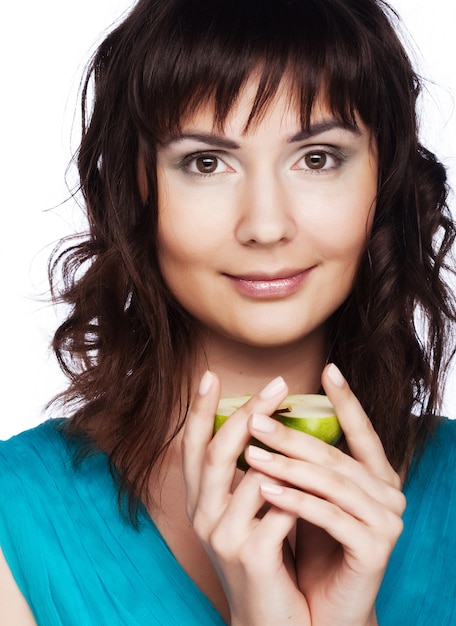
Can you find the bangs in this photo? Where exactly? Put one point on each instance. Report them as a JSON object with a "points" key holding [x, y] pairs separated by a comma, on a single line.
{"points": [[201, 53]]}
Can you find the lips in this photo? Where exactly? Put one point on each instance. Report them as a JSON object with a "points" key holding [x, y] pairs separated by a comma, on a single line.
{"points": [[279, 285]]}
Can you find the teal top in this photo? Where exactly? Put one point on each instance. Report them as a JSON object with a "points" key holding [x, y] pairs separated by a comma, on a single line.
{"points": [[78, 562]]}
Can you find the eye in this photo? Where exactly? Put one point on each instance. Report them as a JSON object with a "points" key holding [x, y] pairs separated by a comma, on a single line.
{"points": [[315, 160], [319, 161], [205, 164]]}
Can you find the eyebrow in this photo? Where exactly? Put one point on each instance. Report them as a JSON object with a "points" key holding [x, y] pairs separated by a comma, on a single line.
{"points": [[222, 142], [323, 127], [208, 138]]}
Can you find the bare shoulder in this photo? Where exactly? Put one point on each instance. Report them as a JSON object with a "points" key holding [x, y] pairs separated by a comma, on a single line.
{"points": [[14, 609]]}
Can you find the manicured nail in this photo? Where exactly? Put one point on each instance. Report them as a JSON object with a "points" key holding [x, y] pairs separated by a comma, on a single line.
{"points": [[205, 384], [273, 388], [263, 424], [259, 454], [271, 490], [335, 375]]}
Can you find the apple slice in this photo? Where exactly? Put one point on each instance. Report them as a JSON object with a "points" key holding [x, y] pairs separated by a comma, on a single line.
{"points": [[310, 413]]}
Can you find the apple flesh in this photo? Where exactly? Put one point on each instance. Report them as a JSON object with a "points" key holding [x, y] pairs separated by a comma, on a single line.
{"points": [[309, 413]]}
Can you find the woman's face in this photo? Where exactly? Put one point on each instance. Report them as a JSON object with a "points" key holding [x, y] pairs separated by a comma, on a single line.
{"points": [[261, 232]]}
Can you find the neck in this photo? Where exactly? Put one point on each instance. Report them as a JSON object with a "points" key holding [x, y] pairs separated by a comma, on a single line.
{"points": [[245, 369]]}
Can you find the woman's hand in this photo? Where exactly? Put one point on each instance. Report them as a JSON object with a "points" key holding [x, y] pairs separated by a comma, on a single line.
{"points": [[251, 555], [348, 510]]}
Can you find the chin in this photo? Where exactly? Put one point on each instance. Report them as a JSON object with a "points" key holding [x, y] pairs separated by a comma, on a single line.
{"points": [[275, 340]]}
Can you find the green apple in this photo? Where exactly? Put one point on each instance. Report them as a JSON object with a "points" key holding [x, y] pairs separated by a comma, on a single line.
{"points": [[310, 413]]}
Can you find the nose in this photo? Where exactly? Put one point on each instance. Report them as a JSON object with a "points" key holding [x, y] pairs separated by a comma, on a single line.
{"points": [[266, 214]]}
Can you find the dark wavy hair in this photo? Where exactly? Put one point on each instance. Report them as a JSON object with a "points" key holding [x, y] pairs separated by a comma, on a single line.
{"points": [[126, 345]]}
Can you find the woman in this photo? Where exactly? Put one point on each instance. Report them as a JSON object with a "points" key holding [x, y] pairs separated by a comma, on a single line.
{"points": [[262, 218]]}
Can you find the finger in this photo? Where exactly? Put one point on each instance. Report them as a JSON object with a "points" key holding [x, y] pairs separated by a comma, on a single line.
{"points": [[271, 533], [229, 442], [333, 486], [363, 442], [362, 541], [303, 456], [197, 434], [240, 517], [266, 401], [231, 439]]}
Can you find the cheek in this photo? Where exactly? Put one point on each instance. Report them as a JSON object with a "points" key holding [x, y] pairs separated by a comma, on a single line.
{"points": [[348, 237], [342, 235], [173, 247], [178, 231], [182, 244], [191, 231]]}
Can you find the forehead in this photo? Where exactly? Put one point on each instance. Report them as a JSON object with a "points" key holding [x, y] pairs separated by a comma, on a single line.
{"points": [[251, 109]]}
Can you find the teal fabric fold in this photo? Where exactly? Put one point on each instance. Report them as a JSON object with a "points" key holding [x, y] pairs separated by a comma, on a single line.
{"points": [[75, 558], [419, 587], [79, 562]]}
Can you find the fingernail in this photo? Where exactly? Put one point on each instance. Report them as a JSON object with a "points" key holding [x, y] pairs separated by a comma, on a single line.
{"points": [[271, 490], [262, 423], [205, 384], [335, 375], [273, 388], [259, 454]]}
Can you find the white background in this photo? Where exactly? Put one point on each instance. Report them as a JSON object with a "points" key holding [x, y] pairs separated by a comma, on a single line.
{"points": [[44, 47]]}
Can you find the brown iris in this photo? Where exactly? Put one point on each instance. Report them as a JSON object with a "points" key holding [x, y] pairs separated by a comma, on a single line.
{"points": [[315, 160]]}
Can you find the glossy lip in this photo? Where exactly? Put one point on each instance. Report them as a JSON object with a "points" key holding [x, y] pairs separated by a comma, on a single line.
{"points": [[266, 286]]}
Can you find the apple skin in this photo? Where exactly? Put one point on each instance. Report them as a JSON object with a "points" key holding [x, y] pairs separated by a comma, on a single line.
{"points": [[309, 413]]}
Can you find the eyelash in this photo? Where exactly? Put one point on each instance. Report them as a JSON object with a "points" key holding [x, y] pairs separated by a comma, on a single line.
{"points": [[333, 153]]}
